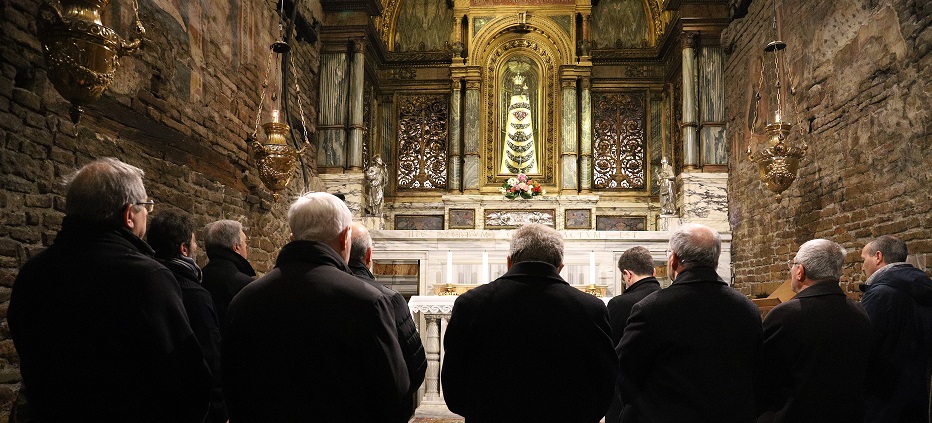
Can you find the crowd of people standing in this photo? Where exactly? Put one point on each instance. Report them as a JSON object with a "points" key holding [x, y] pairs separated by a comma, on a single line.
{"points": [[115, 321]]}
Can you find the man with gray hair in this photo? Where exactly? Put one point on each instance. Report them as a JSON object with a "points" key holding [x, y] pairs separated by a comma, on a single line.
{"points": [[360, 264], [99, 325], [689, 352], [309, 341], [898, 299], [528, 346], [228, 271], [814, 344]]}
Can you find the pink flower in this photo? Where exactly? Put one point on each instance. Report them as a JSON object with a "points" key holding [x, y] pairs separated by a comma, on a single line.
{"points": [[522, 177]]}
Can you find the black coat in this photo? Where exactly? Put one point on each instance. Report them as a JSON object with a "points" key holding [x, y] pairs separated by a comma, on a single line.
{"points": [[408, 337], [102, 334], [814, 351], [689, 353], [200, 310], [528, 347], [225, 274], [899, 303], [311, 342], [619, 308]]}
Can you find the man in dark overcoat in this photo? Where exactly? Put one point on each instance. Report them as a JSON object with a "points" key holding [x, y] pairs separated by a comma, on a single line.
{"points": [[171, 235], [360, 262], [309, 341], [228, 269], [99, 325], [815, 345], [637, 272], [689, 352], [528, 347], [898, 299]]}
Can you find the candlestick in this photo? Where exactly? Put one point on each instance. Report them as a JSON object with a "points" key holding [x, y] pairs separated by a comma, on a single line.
{"points": [[592, 267], [449, 266], [485, 268]]}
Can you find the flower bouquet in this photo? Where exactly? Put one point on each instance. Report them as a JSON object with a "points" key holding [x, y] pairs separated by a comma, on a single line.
{"points": [[520, 186]]}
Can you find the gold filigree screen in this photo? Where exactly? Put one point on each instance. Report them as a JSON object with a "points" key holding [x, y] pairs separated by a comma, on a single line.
{"points": [[422, 141], [618, 140]]}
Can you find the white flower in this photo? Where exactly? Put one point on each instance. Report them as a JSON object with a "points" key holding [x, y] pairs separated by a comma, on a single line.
{"points": [[501, 190], [512, 181]]}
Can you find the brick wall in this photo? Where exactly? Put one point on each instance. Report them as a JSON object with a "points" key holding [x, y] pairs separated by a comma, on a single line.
{"points": [[862, 72], [180, 110]]}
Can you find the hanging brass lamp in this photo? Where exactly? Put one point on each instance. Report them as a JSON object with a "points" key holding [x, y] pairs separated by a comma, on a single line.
{"points": [[779, 155], [275, 159], [82, 55]]}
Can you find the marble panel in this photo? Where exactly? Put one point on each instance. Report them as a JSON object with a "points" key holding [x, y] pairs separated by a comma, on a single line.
{"points": [[713, 145], [569, 173], [333, 86], [711, 85], [508, 219], [705, 199], [419, 222], [585, 172], [350, 185], [471, 123], [621, 223], [462, 219], [577, 219], [332, 147], [471, 172], [568, 127], [585, 122]]}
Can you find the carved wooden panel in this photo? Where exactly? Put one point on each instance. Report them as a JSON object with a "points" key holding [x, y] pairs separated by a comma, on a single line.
{"points": [[619, 140], [422, 141]]}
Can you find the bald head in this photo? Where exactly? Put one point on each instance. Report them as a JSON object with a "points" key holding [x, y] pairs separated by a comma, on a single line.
{"points": [[361, 250]]}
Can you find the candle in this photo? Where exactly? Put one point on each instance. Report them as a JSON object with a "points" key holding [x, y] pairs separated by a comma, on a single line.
{"points": [[449, 266], [592, 267], [777, 117], [485, 267], [275, 116]]}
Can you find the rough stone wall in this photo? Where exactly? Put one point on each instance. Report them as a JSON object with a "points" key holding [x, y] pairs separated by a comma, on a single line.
{"points": [[180, 110], [862, 73]]}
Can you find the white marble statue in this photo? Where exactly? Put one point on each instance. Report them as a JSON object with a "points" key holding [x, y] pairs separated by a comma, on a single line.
{"points": [[377, 179], [666, 178]]}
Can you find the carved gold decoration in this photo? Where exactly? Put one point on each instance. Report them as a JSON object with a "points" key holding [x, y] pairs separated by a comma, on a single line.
{"points": [[80, 52], [422, 141], [778, 163], [549, 126], [276, 160], [546, 44], [778, 160], [618, 141], [593, 289]]}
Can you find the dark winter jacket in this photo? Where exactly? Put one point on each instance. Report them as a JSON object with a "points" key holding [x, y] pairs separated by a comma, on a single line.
{"points": [[200, 310], [408, 337], [689, 353], [225, 274], [813, 359], [619, 308], [309, 341], [102, 333], [528, 347], [899, 302]]}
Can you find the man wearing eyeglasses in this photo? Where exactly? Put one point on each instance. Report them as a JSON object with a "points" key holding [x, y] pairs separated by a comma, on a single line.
{"points": [[814, 344], [99, 325]]}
